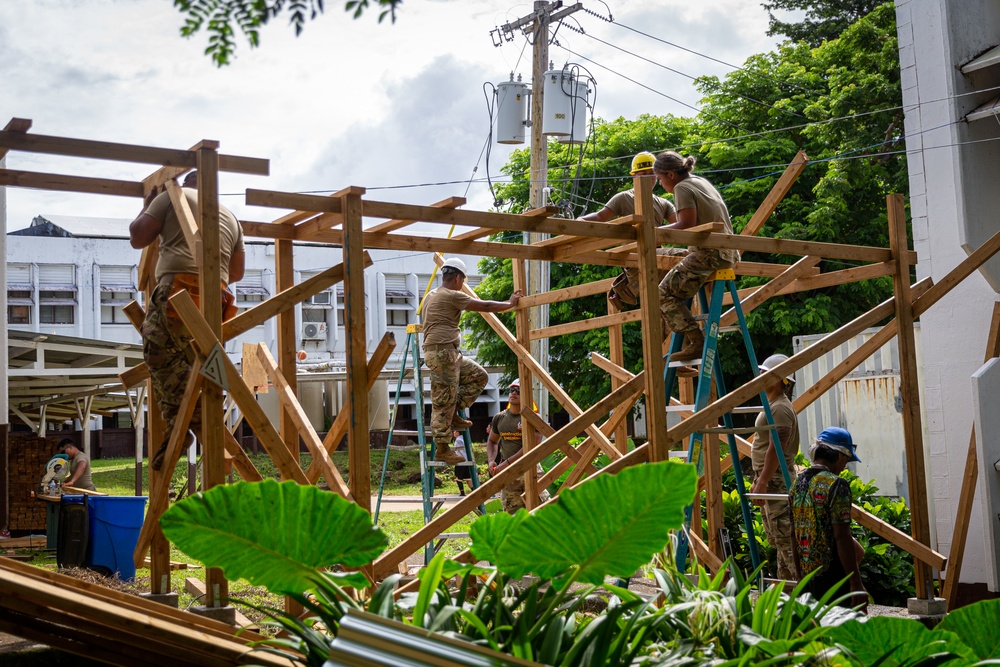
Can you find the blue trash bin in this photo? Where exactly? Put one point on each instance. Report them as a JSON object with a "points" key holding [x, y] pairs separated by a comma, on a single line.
{"points": [[115, 523]]}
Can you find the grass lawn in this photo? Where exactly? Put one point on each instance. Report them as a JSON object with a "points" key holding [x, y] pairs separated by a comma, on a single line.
{"points": [[116, 477]]}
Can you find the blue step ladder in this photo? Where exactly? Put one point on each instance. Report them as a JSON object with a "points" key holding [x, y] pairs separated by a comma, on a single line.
{"points": [[427, 447], [709, 368]]}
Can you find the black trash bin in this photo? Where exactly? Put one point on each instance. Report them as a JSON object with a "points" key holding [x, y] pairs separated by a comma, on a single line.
{"points": [[74, 530]]}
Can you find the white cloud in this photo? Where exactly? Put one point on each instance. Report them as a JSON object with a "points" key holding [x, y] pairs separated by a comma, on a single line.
{"points": [[346, 103]]}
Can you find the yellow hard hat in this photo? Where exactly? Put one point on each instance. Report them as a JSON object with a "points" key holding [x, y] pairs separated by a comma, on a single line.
{"points": [[642, 161]]}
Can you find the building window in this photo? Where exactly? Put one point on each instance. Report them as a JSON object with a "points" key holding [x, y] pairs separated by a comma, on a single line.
{"points": [[57, 293], [117, 291], [250, 290], [20, 294], [398, 311]]}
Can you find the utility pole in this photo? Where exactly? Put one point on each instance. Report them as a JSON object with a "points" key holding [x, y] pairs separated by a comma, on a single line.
{"points": [[538, 277]]}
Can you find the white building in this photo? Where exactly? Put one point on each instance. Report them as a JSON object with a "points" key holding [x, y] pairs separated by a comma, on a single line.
{"points": [[950, 69], [72, 276]]}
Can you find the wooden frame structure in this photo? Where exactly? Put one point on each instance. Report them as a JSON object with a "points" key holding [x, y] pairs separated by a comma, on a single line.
{"points": [[628, 241]]}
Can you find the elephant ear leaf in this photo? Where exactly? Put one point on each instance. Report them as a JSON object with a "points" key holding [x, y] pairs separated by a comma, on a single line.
{"points": [[273, 534], [489, 532], [610, 525], [968, 623]]}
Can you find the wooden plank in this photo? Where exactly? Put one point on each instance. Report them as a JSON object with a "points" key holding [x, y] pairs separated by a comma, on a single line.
{"points": [[309, 229], [566, 293], [430, 214], [588, 448], [244, 466], [284, 276], [196, 588], [339, 427], [970, 478], [240, 393], [779, 246], [704, 555], [134, 376], [777, 193], [765, 292], [387, 562], [652, 321], [921, 552], [522, 327], [589, 324], [713, 493], [910, 391], [285, 300], [302, 423], [616, 348], [186, 220], [21, 125], [65, 183], [355, 335], [475, 234], [393, 225], [160, 480], [267, 230], [442, 245], [147, 266]]}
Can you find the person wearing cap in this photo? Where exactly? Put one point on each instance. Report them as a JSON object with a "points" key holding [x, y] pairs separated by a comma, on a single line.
{"points": [[767, 472], [506, 438], [626, 286], [821, 519], [456, 380], [79, 466], [698, 203]]}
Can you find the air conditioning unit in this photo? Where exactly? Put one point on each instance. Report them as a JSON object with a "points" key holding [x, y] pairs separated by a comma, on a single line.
{"points": [[314, 331], [320, 299]]}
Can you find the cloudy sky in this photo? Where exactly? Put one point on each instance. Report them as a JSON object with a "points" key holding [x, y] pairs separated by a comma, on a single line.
{"points": [[349, 102]]}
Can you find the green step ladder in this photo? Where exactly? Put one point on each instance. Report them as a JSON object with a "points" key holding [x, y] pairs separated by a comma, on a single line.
{"points": [[427, 447], [709, 366]]}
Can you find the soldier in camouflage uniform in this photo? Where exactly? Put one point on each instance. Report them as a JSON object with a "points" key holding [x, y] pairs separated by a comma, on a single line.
{"points": [[767, 472], [456, 381], [697, 203], [506, 431], [165, 339]]}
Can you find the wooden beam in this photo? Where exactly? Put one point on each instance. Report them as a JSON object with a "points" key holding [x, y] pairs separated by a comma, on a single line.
{"points": [[589, 324], [302, 423], [522, 326], [356, 336], [186, 220], [393, 225], [339, 427], [64, 183], [777, 193], [770, 289], [267, 230], [652, 321], [21, 125], [779, 246], [442, 245], [285, 300]]}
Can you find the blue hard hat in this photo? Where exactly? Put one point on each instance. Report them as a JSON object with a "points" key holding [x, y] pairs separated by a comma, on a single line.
{"points": [[839, 437]]}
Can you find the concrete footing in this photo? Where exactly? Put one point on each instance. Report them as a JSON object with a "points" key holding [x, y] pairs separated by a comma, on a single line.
{"points": [[225, 614], [926, 607], [169, 599]]}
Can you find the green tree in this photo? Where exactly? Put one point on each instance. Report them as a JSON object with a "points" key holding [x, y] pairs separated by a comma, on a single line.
{"points": [[840, 102], [824, 19], [603, 172], [223, 18]]}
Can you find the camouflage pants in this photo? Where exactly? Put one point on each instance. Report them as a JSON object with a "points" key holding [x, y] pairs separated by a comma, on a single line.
{"points": [[166, 349], [456, 383], [778, 530], [510, 494], [682, 282], [630, 291]]}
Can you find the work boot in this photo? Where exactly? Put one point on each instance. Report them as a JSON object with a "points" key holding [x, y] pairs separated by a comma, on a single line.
{"points": [[694, 343], [459, 424], [448, 455]]}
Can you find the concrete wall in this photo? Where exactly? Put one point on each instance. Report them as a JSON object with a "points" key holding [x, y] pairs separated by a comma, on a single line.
{"points": [[954, 205]]}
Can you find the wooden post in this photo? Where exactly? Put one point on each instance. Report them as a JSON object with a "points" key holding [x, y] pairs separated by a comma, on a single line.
{"points": [[713, 492], [912, 428], [284, 277], [616, 349], [652, 323], [212, 430], [358, 437], [969, 481], [522, 328]]}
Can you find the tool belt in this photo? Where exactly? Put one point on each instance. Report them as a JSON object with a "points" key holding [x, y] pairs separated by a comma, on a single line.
{"points": [[189, 282]]}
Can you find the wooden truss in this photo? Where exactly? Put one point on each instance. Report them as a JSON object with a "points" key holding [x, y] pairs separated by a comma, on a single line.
{"points": [[628, 241]]}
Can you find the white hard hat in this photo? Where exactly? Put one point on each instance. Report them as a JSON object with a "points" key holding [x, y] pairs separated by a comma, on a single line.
{"points": [[457, 264], [773, 361], [515, 383]]}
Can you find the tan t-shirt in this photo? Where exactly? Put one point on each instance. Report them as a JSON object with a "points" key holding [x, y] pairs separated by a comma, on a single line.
{"points": [[697, 193], [442, 309], [623, 204], [788, 430], [175, 256], [507, 426]]}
